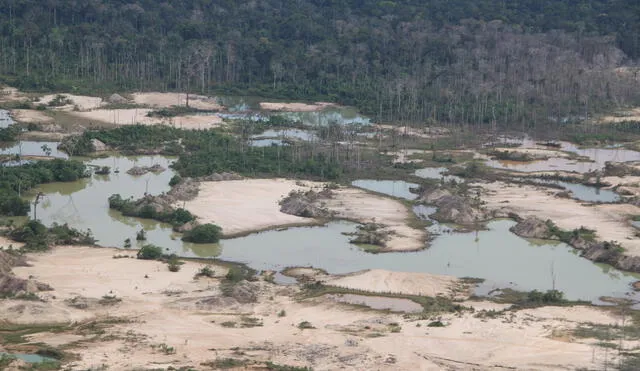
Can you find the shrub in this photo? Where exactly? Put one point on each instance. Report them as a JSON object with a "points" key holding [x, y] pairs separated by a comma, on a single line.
{"points": [[141, 235], [150, 252], [205, 271], [174, 265], [175, 180], [305, 325], [205, 233]]}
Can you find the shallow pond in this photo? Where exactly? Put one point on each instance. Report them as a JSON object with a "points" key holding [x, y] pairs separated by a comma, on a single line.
{"points": [[586, 193], [497, 255], [329, 115], [305, 135], [31, 148], [84, 203], [437, 173], [29, 358], [597, 156], [394, 188], [248, 108], [5, 119], [378, 302], [267, 142]]}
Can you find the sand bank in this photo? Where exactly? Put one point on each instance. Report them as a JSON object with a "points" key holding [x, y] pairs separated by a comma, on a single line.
{"points": [[608, 220], [30, 116], [295, 107], [166, 100], [187, 316], [241, 206], [364, 207], [383, 281], [81, 102], [133, 116]]}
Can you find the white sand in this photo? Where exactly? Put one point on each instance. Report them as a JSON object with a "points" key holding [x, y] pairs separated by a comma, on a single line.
{"points": [[536, 153], [30, 116], [240, 206], [629, 115], [82, 102], [8, 94], [166, 100], [383, 281], [357, 204], [133, 116], [5, 243], [519, 340], [608, 220], [294, 107]]}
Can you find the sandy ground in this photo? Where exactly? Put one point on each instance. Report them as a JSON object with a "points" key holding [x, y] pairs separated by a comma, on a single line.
{"points": [[295, 107], [536, 153], [186, 314], [82, 102], [425, 132], [357, 204], [132, 116], [630, 115], [8, 94], [166, 100], [5, 243], [608, 220], [30, 116], [240, 206], [378, 280]]}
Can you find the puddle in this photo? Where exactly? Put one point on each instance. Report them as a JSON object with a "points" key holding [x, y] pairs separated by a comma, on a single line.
{"points": [[29, 358], [584, 192], [597, 156], [30, 148], [304, 135], [378, 302], [394, 188], [5, 119], [437, 173], [267, 142]]}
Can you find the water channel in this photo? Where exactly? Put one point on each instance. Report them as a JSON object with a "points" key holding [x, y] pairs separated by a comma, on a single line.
{"points": [[497, 255]]}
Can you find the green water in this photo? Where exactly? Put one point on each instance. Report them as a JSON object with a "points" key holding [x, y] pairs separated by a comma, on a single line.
{"points": [[29, 358], [497, 255], [83, 204]]}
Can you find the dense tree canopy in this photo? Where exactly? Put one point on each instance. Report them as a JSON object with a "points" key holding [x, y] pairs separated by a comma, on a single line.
{"points": [[470, 61]]}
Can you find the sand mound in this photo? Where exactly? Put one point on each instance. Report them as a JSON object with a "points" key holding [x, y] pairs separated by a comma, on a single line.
{"points": [[166, 100], [240, 206], [82, 102], [133, 116], [30, 116], [294, 107], [383, 281]]}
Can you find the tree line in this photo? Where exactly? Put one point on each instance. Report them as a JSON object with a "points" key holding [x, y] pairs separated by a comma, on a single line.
{"points": [[479, 62]]}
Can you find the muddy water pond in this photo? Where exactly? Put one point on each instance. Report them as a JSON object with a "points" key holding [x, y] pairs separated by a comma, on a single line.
{"points": [[497, 255], [248, 108], [378, 302], [437, 173], [5, 119], [83, 204], [586, 193], [393, 188], [304, 135], [597, 157], [31, 148], [29, 358]]}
